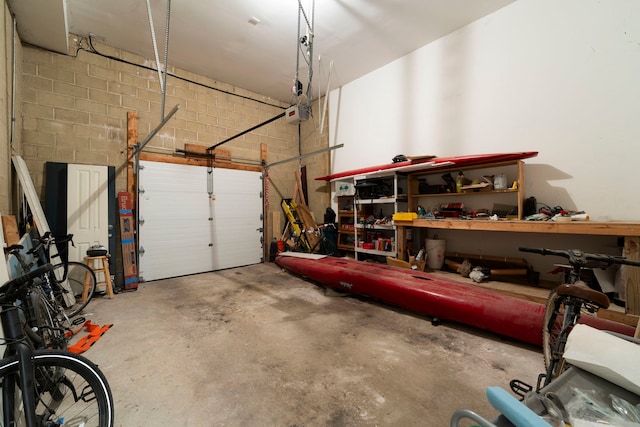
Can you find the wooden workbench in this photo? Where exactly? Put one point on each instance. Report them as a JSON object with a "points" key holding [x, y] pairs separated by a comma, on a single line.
{"points": [[629, 230]]}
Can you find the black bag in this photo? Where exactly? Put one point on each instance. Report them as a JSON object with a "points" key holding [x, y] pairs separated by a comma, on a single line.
{"points": [[329, 216], [97, 250]]}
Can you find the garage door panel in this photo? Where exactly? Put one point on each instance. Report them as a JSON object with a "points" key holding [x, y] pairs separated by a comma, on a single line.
{"points": [[186, 231], [237, 222], [173, 178]]}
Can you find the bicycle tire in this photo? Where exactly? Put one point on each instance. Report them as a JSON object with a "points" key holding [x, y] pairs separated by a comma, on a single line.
{"points": [[551, 326], [76, 274], [560, 313], [50, 325], [70, 389]]}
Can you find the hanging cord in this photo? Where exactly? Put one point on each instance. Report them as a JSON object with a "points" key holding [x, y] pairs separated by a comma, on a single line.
{"points": [[155, 45], [326, 96], [91, 49]]}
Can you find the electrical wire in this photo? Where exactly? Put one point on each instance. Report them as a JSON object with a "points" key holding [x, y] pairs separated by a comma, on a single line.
{"points": [[95, 51]]}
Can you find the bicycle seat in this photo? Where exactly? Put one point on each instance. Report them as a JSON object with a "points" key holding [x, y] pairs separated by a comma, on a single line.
{"points": [[584, 293], [13, 249]]}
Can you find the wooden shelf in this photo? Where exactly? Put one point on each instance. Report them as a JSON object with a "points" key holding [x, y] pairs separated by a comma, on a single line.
{"points": [[376, 252], [465, 193], [600, 228], [515, 169]]}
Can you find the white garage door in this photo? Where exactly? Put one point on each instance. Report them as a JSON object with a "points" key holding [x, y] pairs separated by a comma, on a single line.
{"points": [[185, 231]]}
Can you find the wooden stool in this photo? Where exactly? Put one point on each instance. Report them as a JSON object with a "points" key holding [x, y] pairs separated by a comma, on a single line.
{"points": [[102, 268]]}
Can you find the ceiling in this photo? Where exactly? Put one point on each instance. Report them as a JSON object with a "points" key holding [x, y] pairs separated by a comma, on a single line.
{"points": [[253, 44]]}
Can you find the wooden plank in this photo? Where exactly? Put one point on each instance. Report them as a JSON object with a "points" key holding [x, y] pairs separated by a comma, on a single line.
{"points": [[4, 268], [153, 157], [132, 140], [598, 228], [521, 186], [30, 193], [506, 260], [10, 230], [221, 155], [297, 190], [308, 225], [263, 153]]}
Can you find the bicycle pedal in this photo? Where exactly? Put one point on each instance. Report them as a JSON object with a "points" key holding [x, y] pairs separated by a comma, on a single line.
{"points": [[520, 388], [78, 321], [541, 380]]}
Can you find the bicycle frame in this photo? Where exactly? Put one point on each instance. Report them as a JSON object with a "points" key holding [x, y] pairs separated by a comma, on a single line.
{"points": [[17, 344]]}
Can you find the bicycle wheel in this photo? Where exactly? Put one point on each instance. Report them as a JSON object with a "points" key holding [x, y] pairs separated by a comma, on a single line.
{"points": [[70, 390], [70, 289], [48, 323], [551, 326], [561, 314]]}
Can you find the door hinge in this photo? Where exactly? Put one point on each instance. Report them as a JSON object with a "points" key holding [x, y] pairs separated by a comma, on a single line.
{"points": [[141, 221], [141, 250], [140, 190]]}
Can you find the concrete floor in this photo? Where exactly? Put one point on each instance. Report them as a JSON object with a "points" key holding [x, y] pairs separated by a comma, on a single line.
{"points": [[256, 346]]}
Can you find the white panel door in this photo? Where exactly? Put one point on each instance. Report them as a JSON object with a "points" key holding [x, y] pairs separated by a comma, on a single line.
{"points": [[87, 208], [175, 230], [237, 220]]}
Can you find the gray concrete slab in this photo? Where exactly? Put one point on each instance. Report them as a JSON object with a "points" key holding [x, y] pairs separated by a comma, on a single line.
{"points": [[256, 346]]}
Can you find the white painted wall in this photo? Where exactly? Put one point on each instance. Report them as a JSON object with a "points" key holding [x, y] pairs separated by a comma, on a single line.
{"points": [[561, 77], [558, 77]]}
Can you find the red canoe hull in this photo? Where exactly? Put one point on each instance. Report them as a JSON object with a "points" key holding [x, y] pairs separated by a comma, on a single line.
{"points": [[434, 163], [434, 296]]}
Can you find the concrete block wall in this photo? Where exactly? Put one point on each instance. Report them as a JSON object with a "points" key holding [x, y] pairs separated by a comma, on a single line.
{"points": [[75, 106]]}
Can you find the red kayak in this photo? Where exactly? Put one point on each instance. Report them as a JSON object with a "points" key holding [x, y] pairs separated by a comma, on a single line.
{"points": [[433, 164], [435, 296]]}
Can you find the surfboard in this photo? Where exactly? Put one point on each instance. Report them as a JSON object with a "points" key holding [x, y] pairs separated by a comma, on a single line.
{"points": [[434, 296], [432, 163]]}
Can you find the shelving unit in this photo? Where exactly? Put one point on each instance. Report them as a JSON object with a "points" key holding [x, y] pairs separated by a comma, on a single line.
{"points": [[385, 196], [346, 224], [514, 170]]}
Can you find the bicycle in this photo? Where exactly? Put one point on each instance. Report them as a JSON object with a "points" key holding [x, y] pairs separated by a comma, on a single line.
{"points": [[567, 302], [76, 281], [47, 321], [46, 387]]}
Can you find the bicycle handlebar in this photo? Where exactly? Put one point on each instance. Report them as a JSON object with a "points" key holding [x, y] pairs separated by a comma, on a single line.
{"points": [[9, 288], [577, 257]]}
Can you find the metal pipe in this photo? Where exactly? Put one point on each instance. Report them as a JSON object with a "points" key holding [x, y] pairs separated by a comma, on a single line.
{"points": [[13, 85], [213, 147], [166, 56], [140, 147], [313, 153]]}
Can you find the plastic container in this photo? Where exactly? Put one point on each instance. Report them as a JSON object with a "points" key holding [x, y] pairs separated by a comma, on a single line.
{"points": [[435, 253], [500, 182]]}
